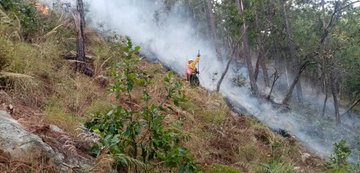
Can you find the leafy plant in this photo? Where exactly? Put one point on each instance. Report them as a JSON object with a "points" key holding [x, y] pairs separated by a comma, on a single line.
{"points": [[139, 133], [339, 158], [126, 73], [173, 89], [239, 80], [25, 20], [25, 13]]}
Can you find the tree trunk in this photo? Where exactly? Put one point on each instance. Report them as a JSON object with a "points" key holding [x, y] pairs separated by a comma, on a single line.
{"points": [[228, 65], [260, 62], [293, 84], [223, 74], [292, 54], [276, 77], [80, 45], [212, 25], [334, 92], [246, 49], [299, 94], [324, 105], [324, 84], [257, 67], [261, 57], [263, 67], [287, 77], [79, 18]]}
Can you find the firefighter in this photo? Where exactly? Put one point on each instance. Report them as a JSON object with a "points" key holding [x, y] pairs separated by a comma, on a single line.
{"points": [[191, 67]]}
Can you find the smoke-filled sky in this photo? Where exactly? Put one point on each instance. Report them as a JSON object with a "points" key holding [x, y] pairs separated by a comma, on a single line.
{"points": [[171, 38]]}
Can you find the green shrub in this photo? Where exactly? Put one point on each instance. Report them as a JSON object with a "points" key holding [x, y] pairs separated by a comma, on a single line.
{"points": [[25, 19], [354, 168], [339, 158], [138, 138], [338, 162], [26, 13]]}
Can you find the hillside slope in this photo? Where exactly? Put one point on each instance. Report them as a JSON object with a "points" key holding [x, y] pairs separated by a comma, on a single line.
{"points": [[41, 89]]}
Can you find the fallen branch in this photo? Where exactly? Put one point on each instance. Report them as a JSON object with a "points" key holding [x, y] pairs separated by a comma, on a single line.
{"points": [[351, 107], [15, 75], [178, 110]]}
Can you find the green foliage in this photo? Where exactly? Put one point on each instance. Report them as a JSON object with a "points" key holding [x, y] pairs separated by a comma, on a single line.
{"points": [[139, 137], [339, 158], [354, 168], [276, 166], [24, 18], [232, 21], [126, 73], [174, 89], [26, 13], [239, 80]]}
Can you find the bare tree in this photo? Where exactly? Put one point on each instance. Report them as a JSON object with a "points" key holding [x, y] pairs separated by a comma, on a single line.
{"points": [[79, 18], [80, 45]]}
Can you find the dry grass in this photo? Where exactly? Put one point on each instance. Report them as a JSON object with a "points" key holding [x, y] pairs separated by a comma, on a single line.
{"points": [[9, 165]]}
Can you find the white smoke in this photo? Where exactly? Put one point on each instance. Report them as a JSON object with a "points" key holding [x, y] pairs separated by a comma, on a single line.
{"points": [[165, 35]]}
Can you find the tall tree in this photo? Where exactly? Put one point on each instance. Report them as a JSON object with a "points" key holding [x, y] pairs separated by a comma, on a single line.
{"points": [[292, 52], [263, 22], [246, 48], [212, 26]]}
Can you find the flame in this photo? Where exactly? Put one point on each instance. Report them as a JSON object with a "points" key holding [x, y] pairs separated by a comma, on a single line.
{"points": [[44, 9]]}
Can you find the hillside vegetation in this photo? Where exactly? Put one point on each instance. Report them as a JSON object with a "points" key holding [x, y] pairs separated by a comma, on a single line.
{"points": [[132, 115]]}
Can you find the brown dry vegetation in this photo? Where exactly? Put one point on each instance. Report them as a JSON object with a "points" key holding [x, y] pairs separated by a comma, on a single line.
{"points": [[45, 90], [7, 164]]}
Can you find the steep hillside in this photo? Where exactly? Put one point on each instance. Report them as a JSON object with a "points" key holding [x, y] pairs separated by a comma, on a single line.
{"points": [[131, 116]]}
